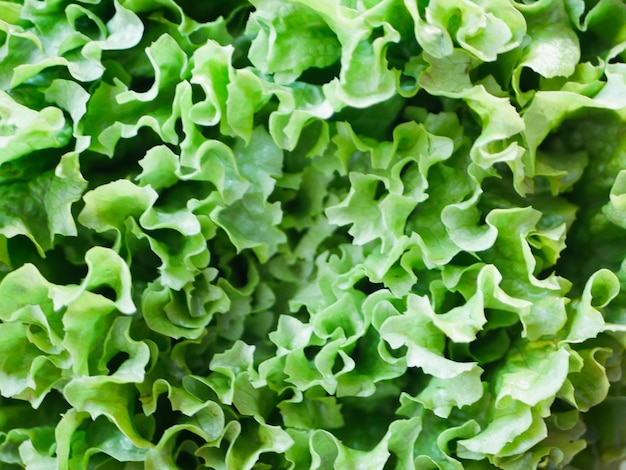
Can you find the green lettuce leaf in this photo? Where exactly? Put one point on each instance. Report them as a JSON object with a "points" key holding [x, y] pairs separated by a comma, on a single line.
{"points": [[266, 234]]}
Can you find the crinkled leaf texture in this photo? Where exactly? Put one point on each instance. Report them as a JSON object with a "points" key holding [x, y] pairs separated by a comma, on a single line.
{"points": [[297, 234]]}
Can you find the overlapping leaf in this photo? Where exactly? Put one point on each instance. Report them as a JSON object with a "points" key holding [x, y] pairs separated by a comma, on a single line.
{"points": [[296, 234]]}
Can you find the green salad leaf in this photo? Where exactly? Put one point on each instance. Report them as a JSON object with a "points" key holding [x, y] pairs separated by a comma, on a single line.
{"points": [[350, 234]]}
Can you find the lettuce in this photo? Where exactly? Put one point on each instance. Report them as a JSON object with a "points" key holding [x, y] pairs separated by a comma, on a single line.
{"points": [[292, 234]]}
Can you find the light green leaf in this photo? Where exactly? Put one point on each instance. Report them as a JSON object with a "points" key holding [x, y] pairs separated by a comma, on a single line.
{"points": [[109, 206], [553, 51], [517, 266], [485, 29], [533, 373], [365, 212], [589, 382], [425, 342], [103, 396], [87, 318], [289, 39], [441, 395], [587, 321], [176, 237], [184, 314], [506, 425], [251, 223], [245, 446], [105, 269]]}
